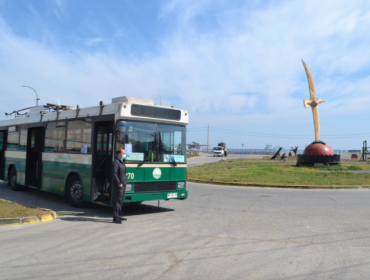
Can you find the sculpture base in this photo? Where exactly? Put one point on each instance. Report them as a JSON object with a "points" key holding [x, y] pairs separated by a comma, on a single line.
{"points": [[309, 160], [318, 152]]}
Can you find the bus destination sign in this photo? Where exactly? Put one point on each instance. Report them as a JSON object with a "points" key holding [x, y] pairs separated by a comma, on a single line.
{"points": [[152, 112]]}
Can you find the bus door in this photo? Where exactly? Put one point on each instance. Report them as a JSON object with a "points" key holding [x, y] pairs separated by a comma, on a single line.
{"points": [[102, 161], [35, 146], [2, 153]]}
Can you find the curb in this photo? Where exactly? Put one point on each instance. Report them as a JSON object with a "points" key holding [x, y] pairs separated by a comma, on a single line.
{"points": [[29, 220], [277, 186]]}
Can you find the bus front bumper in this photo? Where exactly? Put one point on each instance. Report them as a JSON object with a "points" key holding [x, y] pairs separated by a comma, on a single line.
{"points": [[138, 197]]}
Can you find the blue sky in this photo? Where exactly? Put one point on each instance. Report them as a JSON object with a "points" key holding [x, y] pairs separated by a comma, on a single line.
{"points": [[235, 65]]}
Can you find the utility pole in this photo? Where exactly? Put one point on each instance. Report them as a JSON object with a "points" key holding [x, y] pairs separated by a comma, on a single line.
{"points": [[208, 139], [242, 146]]}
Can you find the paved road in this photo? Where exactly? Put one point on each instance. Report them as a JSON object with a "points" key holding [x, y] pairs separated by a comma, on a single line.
{"points": [[219, 232], [208, 158]]}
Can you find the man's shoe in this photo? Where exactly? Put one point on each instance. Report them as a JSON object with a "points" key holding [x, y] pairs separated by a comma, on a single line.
{"points": [[117, 221], [123, 219]]}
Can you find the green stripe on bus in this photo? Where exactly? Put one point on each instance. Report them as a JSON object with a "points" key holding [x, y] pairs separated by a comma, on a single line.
{"points": [[62, 169], [137, 175], [20, 166]]}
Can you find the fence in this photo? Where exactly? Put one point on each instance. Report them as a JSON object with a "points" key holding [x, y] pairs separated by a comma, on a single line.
{"points": [[343, 153], [192, 152]]}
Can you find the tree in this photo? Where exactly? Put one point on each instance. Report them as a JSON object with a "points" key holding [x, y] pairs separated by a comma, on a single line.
{"points": [[294, 150]]}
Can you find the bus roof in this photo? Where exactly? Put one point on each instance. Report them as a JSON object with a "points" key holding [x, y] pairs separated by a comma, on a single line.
{"points": [[121, 107]]}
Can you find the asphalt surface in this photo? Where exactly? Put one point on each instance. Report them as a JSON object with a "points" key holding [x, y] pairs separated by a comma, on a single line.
{"points": [[219, 232]]}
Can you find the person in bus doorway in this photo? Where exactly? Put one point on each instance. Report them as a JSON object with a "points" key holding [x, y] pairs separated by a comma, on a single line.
{"points": [[119, 185]]}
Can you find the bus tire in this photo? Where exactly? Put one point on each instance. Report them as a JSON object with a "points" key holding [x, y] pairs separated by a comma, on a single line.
{"points": [[74, 192], [13, 180]]}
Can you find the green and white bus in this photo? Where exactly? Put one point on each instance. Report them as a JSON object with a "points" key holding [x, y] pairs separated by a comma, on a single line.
{"points": [[69, 151]]}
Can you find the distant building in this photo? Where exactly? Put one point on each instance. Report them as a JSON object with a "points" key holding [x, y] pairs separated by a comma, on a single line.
{"points": [[195, 146]]}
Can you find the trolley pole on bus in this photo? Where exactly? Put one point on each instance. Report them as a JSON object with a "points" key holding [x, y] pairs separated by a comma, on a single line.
{"points": [[37, 97]]}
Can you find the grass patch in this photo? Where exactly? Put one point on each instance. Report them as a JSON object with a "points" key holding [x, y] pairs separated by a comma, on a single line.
{"points": [[273, 172], [337, 167], [16, 210], [192, 156], [354, 167]]}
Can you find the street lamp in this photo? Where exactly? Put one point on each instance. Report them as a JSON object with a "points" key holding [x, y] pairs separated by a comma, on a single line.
{"points": [[37, 97], [242, 147]]}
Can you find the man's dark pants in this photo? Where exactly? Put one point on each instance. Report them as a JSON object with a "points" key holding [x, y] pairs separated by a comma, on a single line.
{"points": [[119, 193]]}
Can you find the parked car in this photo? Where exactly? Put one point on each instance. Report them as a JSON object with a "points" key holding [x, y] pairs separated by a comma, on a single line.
{"points": [[355, 156]]}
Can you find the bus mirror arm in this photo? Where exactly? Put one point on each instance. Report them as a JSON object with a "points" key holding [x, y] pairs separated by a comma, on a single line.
{"points": [[173, 161], [141, 163]]}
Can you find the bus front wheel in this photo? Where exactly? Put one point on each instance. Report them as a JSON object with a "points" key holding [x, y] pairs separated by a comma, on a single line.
{"points": [[13, 180], [74, 192]]}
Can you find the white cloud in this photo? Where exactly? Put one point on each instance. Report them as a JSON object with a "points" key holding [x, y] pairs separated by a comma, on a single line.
{"points": [[185, 10], [60, 8], [247, 70], [94, 41]]}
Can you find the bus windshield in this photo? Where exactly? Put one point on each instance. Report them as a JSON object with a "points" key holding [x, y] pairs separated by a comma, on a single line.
{"points": [[152, 142]]}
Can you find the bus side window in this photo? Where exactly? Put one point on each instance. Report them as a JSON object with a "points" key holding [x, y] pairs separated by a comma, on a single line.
{"points": [[13, 138], [79, 136], [55, 137], [23, 138]]}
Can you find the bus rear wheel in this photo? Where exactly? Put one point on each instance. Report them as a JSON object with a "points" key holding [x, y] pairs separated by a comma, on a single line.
{"points": [[74, 192], [13, 180]]}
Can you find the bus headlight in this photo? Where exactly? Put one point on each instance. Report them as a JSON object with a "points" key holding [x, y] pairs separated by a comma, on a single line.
{"points": [[128, 187], [181, 185]]}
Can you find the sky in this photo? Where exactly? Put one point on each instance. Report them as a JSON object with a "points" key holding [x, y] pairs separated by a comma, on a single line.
{"points": [[234, 65]]}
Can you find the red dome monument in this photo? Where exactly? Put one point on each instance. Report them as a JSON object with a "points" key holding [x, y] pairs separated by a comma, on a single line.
{"points": [[318, 149]]}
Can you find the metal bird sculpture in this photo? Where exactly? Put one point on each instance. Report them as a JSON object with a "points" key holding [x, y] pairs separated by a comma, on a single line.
{"points": [[313, 102]]}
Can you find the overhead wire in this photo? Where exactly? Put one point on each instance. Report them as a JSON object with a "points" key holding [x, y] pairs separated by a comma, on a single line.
{"points": [[291, 134], [17, 100], [271, 135]]}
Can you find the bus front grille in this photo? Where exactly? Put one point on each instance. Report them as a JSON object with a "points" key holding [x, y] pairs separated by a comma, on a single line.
{"points": [[145, 187], [166, 186], [155, 187]]}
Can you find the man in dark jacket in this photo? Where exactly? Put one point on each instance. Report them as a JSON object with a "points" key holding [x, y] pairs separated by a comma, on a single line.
{"points": [[119, 185]]}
